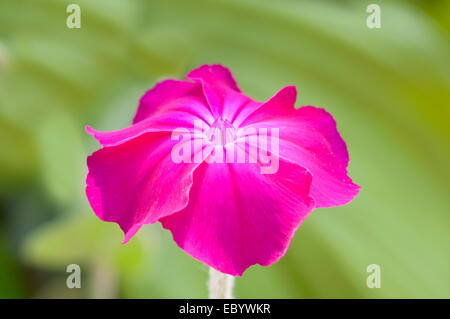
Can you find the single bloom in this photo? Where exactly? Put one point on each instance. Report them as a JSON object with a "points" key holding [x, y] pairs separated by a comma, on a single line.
{"points": [[232, 178]]}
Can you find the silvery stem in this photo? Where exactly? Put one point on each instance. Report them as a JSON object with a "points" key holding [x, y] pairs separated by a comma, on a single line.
{"points": [[220, 285]]}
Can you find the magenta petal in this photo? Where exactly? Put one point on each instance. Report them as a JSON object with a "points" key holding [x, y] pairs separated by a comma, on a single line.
{"points": [[309, 137], [237, 217], [171, 96], [279, 105], [165, 122], [221, 91], [170, 105], [215, 75], [137, 182]]}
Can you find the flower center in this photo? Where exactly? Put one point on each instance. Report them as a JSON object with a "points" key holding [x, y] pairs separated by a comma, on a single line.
{"points": [[221, 132]]}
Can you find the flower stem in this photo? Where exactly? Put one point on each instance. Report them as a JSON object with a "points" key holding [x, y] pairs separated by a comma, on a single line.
{"points": [[220, 285]]}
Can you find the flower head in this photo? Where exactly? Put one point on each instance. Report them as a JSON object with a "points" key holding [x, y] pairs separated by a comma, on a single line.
{"points": [[232, 178]]}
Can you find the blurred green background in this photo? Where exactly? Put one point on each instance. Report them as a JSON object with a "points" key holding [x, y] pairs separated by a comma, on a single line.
{"points": [[387, 88]]}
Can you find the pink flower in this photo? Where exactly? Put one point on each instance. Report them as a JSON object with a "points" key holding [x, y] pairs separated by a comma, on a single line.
{"points": [[227, 213]]}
